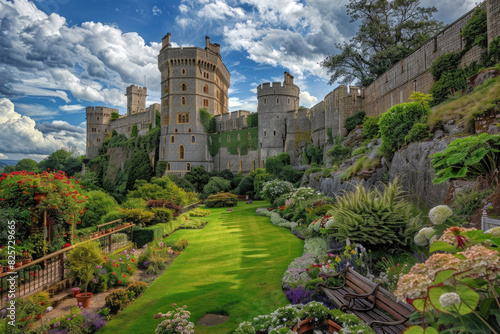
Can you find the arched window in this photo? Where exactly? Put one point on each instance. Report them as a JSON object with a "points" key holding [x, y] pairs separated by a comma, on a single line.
{"points": [[183, 100], [181, 152], [175, 130], [265, 133], [241, 165], [172, 139], [228, 165], [262, 164], [165, 89], [193, 140], [205, 89], [188, 166], [164, 102], [277, 100], [183, 71], [183, 87], [274, 133], [205, 102], [253, 164], [168, 165], [183, 118]]}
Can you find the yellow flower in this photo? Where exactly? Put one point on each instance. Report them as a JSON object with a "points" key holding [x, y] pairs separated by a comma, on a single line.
{"points": [[338, 259], [353, 252]]}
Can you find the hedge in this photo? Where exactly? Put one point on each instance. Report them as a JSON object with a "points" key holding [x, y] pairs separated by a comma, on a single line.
{"points": [[143, 236]]}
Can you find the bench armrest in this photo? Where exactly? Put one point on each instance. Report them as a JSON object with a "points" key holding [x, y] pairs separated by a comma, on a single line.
{"points": [[351, 298], [379, 324], [325, 278]]}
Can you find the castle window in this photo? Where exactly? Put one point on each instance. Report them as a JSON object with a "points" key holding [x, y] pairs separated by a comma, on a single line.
{"points": [[402, 66], [168, 165], [172, 139], [249, 135], [228, 138], [274, 133], [165, 120], [188, 166], [183, 118], [183, 101], [288, 101], [234, 124], [193, 140], [183, 87], [265, 133], [165, 89], [94, 130], [265, 101], [175, 130], [183, 71], [97, 118], [241, 165], [164, 102], [189, 130], [277, 100], [228, 165], [205, 89], [262, 164], [181, 152], [253, 164], [205, 102]]}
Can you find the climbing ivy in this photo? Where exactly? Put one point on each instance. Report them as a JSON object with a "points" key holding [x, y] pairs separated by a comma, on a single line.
{"points": [[475, 32], [230, 140]]}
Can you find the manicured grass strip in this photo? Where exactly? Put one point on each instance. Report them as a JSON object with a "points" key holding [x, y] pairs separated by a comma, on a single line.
{"points": [[234, 266]]}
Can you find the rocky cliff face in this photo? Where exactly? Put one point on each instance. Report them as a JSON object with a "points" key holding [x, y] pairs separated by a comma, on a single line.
{"points": [[411, 165]]}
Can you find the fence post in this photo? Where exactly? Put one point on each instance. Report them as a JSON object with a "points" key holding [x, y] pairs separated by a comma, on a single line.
{"points": [[109, 243], [61, 265]]}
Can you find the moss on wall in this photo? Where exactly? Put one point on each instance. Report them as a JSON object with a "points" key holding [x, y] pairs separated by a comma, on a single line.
{"points": [[235, 140]]}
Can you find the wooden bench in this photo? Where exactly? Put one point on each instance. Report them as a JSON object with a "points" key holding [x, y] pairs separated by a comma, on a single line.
{"points": [[375, 305]]}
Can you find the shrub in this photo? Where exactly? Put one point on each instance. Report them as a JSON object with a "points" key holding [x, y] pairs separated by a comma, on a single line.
{"points": [[338, 153], [83, 260], [378, 218], [275, 188], [475, 32], [221, 200], [397, 122], [215, 186], [447, 62], [354, 120], [467, 157], [163, 204], [112, 215], [118, 299], [246, 185], [137, 287], [180, 245], [199, 212], [175, 321], [97, 206], [370, 128], [466, 202], [418, 132], [162, 216], [137, 216], [275, 164], [144, 235]]}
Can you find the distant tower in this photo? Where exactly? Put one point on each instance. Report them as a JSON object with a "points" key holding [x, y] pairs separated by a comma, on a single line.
{"points": [[274, 101], [191, 79], [98, 119], [136, 99]]}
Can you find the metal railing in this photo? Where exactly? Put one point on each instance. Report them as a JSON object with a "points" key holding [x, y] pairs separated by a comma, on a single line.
{"points": [[40, 274], [488, 223]]}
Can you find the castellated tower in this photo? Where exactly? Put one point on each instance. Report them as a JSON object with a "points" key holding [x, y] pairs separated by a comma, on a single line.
{"points": [[274, 101], [98, 119], [136, 99], [191, 79]]}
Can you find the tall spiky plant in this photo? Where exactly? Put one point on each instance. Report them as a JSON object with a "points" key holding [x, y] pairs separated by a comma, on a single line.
{"points": [[375, 217]]}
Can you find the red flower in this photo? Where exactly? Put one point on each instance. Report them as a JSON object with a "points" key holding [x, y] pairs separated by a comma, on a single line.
{"points": [[130, 260], [114, 274], [66, 245], [119, 282], [129, 268], [124, 275], [18, 241], [3, 247]]}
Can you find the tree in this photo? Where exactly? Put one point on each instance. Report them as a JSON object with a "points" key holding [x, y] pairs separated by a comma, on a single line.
{"points": [[390, 30], [62, 160], [198, 177], [98, 205], [28, 165]]}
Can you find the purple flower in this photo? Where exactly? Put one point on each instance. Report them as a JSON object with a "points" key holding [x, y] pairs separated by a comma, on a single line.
{"points": [[299, 295]]}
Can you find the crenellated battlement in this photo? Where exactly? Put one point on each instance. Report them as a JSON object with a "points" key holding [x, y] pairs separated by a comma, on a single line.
{"points": [[287, 87]]}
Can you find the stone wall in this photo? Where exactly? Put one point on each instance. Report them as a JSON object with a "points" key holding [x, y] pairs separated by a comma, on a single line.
{"points": [[143, 120], [488, 122]]}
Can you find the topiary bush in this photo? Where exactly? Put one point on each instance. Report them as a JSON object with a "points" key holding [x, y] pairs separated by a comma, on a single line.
{"points": [[396, 123], [354, 120], [377, 218], [221, 200]]}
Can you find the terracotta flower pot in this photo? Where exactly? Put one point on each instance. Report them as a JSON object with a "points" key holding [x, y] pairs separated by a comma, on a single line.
{"points": [[26, 261], [26, 319], [75, 292], [18, 264], [84, 298], [6, 268], [308, 324], [39, 197]]}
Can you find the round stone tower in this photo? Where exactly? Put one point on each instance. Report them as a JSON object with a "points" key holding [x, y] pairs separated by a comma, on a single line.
{"points": [[191, 79], [274, 102], [98, 119]]}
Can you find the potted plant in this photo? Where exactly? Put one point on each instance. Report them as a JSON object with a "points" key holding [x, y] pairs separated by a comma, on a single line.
{"points": [[42, 301], [19, 257], [27, 252], [83, 260]]}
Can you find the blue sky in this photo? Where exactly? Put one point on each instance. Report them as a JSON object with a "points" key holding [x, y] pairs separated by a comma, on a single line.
{"points": [[59, 56]]}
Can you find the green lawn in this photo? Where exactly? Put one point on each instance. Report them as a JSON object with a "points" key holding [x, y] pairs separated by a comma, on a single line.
{"points": [[235, 264]]}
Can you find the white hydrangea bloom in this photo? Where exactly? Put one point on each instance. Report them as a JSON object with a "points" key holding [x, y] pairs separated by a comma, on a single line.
{"points": [[495, 231], [439, 214], [423, 236], [449, 299]]}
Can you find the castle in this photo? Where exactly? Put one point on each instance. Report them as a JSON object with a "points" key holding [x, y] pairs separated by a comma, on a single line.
{"points": [[193, 78]]}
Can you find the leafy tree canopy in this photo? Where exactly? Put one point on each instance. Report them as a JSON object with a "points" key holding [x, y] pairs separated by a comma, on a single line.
{"points": [[62, 160], [28, 165], [389, 31]]}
